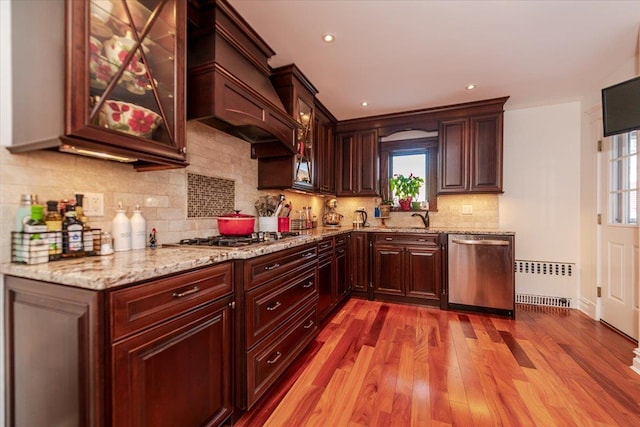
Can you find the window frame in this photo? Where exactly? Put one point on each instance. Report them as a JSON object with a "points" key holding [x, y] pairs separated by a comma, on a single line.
{"points": [[620, 191], [426, 145]]}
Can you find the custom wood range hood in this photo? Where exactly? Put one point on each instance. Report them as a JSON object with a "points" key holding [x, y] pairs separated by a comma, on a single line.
{"points": [[228, 84]]}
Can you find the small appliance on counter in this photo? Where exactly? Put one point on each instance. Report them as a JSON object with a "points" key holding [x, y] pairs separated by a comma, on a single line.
{"points": [[360, 218], [331, 218]]}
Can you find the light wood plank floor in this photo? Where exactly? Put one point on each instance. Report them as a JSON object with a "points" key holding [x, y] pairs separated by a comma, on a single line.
{"points": [[383, 364]]}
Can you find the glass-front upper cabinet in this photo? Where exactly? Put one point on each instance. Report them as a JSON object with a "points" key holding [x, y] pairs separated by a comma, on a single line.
{"points": [[125, 78], [304, 146]]}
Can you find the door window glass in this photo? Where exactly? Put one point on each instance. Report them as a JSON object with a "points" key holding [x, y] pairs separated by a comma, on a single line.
{"points": [[623, 168]]}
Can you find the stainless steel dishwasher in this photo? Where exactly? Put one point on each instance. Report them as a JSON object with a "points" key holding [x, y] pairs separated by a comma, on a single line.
{"points": [[481, 273]]}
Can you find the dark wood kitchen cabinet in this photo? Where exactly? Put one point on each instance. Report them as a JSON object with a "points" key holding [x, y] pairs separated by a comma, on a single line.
{"points": [[407, 267], [125, 81], [171, 350], [155, 353], [326, 276], [325, 152], [54, 354], [471, 154], [343, 282], [358, 163], [277, 317], [333, 274], [298, 171], [358, 266]]}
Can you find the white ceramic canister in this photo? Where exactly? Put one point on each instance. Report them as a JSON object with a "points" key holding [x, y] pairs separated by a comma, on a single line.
{"points": [[138, 229], [121, 230]]}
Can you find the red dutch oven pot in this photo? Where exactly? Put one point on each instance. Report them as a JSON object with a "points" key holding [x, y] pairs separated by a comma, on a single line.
{"points": [[236, 224]]}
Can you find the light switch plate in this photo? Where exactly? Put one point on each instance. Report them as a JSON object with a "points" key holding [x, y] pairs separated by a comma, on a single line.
{"points": [[93, 204], [467, 209]]}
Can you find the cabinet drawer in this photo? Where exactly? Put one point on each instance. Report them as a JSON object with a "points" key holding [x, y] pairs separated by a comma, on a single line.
{"points": [[325, 245], [342, 239], [267, 267], [407, 238], [271, 357], [138, 307], [268, 305]]}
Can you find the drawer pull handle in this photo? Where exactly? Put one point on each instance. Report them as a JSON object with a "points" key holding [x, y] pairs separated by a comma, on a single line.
{"points": [[388, 239], [277, 357], [308, 285], [308, 255], [422, 240], [272, 266], [185, 293], [274, 306], [309, 325], [341, 251]]}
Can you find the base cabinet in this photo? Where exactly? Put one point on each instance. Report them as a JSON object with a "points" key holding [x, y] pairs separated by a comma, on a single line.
{"points": [[277, 317], [358, 268], [407, 267], [156, 382], [54, 355], [152, 354]]}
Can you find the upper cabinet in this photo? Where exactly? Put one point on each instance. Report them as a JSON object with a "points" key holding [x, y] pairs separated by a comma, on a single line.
{"points": [[297, 95], [471, 154], [125, 80], [117, 91], [324, 179], [358, 163]]}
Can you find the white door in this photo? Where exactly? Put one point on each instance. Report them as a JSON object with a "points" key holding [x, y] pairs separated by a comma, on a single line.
{"points": [[618, 233]]}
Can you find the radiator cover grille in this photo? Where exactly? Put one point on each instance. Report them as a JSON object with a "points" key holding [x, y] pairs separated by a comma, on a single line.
{"points": [[546, 283], [543, 300]]}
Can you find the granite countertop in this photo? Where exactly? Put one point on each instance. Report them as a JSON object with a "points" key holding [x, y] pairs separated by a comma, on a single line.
{"points": [[121, 268]]}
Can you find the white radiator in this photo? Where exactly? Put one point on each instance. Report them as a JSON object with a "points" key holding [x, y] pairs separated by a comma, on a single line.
{"points": [[546, 283]]}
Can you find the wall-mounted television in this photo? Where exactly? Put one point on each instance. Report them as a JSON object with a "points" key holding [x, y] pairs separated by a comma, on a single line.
{"points": [[621, 107]]}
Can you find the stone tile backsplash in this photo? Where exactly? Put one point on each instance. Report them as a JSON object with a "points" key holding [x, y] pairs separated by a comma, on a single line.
{"points": [[162, 195], [176, 202]]}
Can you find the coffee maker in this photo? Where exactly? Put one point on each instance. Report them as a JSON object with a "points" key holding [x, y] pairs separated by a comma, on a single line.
{"points": [[360, 218]]}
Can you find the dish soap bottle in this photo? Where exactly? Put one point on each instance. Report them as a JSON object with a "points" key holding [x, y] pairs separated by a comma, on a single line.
{"points": [[138, 229], [121, 230]]}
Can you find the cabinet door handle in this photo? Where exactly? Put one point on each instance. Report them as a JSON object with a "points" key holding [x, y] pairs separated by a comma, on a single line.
{"points": [[309, 325], [276, 357], [272, 266], [274, 306], [308, 255], [232, 304], [308, 285], [185, 293]]}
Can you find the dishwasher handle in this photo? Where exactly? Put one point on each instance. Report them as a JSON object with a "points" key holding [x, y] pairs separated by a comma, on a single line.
{"points": [[482, 242]]}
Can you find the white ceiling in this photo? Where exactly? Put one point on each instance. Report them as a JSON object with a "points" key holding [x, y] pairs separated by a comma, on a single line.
{"points": [[403, 55]]}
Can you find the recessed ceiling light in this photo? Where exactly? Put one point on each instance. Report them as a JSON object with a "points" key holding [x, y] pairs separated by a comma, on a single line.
{"points": [[471, 86], [328, 38], [364, 103]]}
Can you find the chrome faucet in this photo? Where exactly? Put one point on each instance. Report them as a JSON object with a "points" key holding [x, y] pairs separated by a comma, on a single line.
{"points": [[424, 218]]}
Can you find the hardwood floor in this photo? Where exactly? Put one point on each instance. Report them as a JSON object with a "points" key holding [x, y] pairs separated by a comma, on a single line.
{"points": [[383, 364]]}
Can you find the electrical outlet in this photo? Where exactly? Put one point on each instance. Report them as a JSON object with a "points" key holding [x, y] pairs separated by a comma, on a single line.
{"points": [[93, 204], [467, 209]]}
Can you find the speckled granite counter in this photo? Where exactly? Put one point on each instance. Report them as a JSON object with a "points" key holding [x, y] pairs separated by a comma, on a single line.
{"points": [[121, 268]]}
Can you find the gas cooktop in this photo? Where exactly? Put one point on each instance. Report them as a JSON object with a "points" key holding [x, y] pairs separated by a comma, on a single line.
{"points": [[236, 241]]}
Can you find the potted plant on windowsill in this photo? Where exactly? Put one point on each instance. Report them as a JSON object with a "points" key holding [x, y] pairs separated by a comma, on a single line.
{"points": [[405, 189]]}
